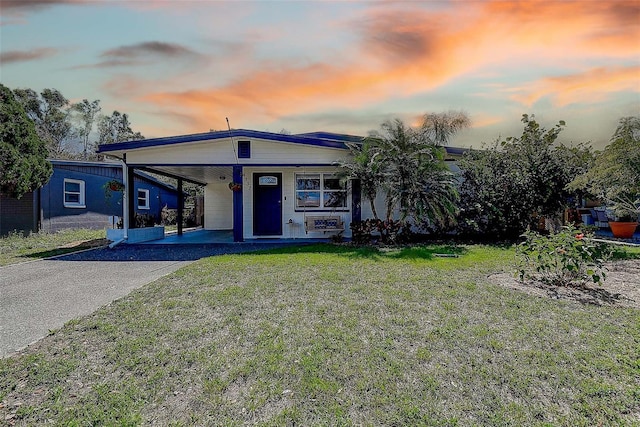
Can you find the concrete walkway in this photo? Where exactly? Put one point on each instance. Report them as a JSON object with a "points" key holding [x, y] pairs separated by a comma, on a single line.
{"points": [[38, 296]]}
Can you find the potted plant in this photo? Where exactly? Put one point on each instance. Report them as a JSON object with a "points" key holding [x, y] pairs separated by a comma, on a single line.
{"points": [[615, 177], [235, 186]]}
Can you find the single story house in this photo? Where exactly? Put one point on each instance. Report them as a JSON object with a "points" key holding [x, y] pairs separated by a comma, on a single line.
{"points": [[258, 184], [75, 197]]}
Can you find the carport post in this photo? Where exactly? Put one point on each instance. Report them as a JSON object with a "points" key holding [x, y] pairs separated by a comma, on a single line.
{"points": [[180, 207], [131, 199], [125, 198], [237, 206]]}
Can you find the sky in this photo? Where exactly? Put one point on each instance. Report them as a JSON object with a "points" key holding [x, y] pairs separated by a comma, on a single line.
{"points": [[183, 66]]}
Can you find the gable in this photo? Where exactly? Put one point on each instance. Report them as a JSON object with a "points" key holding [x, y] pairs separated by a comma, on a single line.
{"points": [[226, 151]]}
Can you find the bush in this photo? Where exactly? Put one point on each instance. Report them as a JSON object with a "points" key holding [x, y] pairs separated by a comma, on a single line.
{"points": [[389, 232], [507, 187], [566, 258]]}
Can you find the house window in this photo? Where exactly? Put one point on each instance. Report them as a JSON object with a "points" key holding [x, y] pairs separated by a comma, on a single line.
{"points": [[244, 149], [73, 193], [143, 199], [320, 191]]}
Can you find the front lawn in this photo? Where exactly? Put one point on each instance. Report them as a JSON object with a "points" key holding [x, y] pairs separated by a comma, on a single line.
{"points": [[16, 247], [332, 335]]}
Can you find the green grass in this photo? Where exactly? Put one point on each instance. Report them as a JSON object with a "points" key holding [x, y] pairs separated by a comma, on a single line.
{"points": [[17, 248], [332, 335]]}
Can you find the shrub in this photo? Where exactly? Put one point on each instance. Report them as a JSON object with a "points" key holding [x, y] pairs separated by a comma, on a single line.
{"points": [[390, 231], [506, 187], [566, 258]]}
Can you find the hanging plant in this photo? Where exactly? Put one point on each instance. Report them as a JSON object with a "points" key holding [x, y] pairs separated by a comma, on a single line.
{"points": [[114, 185], [111, 187], [235, 186]]}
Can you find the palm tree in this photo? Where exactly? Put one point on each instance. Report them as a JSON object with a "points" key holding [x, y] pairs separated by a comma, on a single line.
{"points": [[408, 166], [417, 182], [439, 128], [364, 165]]}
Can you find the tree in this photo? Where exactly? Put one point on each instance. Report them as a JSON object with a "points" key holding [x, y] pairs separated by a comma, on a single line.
{"points": [[416, 180], [116, 128], [507, 187], [85, 115], [439, 128], [408, 166], [615, 174], [50, 111], [23, 155], [364, 166]]}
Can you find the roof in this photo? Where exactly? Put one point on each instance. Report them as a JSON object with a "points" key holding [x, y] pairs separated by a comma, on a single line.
{"points": [[321, 139], [86, 163], [113, 165]]}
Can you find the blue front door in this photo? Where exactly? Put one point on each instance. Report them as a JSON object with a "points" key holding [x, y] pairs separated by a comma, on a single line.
{"points": [[267, 204]]}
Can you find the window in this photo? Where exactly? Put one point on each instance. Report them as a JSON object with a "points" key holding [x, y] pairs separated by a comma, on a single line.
{"points": [[143, 199], [73, 193], [244, 149], [320, 191]]}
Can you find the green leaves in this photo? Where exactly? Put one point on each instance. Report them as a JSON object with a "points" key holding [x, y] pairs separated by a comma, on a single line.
{"points": [[23, 155], [507, 186], [407, 164], [615, 174], [565, 258]]}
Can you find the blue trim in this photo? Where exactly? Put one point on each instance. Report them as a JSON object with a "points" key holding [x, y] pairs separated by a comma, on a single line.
{"points": [[291, 165], [456, 150], [238, 235], [333, 136], [234, 133], [312, 210], [356, 201]]}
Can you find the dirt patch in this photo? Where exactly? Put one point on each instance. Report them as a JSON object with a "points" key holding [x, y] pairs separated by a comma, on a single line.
{"points": [[621, 287]]}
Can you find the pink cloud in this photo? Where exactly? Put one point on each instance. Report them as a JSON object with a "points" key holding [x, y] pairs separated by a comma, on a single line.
{"points": [[27, 55]]}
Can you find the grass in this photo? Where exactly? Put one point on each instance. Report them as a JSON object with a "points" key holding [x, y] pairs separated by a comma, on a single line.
{"points": [[332, 335], [16, 248]]}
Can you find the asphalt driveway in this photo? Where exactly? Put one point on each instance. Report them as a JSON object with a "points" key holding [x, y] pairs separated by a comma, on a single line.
{"points": [[38, 296]]}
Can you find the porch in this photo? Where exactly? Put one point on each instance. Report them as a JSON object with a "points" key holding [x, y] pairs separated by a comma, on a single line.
{"points": [[200, 236]]}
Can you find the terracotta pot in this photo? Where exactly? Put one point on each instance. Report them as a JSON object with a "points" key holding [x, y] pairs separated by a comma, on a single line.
{"points": [[623, 230]]}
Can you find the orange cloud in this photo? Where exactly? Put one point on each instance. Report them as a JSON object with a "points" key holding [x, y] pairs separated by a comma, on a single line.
{"points": [[592, 86], [411, 50]]}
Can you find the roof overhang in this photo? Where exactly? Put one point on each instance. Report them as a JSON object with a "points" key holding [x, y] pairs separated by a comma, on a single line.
{"points": [[324, 139]]}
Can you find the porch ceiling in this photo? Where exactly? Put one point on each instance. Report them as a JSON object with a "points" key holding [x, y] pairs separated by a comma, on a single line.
{"points": [[203, 174]]}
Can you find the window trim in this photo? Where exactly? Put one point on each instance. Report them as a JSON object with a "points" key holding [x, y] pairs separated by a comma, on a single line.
{"points": [[322, 191], [81, 203], [147, 204]]}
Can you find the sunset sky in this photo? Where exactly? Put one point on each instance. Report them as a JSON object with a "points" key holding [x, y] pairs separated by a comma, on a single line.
{"points": [[180, 67]]}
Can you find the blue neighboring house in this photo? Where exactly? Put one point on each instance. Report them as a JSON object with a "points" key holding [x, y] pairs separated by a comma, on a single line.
{"points": [[75, 197]]}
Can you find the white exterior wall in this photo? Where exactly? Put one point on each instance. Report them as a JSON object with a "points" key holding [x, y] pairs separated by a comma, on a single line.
{"points": [[295, 229], [220, 152], [218, 206]]}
